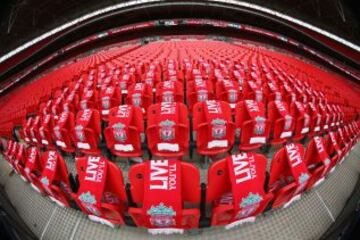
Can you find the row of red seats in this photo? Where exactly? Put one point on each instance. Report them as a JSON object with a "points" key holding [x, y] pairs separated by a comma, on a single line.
{"points": [[167, 193], [26, 98], [168, 127], [270, 74]]}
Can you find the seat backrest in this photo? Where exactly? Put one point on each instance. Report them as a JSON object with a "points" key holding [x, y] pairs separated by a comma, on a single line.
{"points": [[140, 95], [160, 188], [34, 162], [123, 134], [199, 90], [169, 91], [87, 131], [89, 99], [101, 184], [281, 120], [251, 122], [214, 128], [239, 181], [168, 129], [253, 91], [110, 97], [62, 131], [316, 156], [288, 166], [55, 177]]}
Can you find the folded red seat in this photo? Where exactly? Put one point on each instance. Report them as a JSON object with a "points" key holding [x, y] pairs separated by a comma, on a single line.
{"points": [[46, 131], [288, 94], [125, 82], [101, 194], [214, 130], [302, 120], [315, 118], [26, 130], [169, 91], [282, 123], [33, 168], [318, 161], [34, 131], [89, 99], [333, 148], [252, 91], [125, 131], [55, 178], [72, 102], [272, 92], [87, 131], [62, 132], [57, 106], [251, 124], [325, 118], [140, 95], [236, 189], [199, 90], [239, 76], [289, 175], [301, 95], [333, 116], [168, 129], [110, 97], [342, 141], [161, 190], [228, 91], [19, 161], [9, 146], [11, 155]]}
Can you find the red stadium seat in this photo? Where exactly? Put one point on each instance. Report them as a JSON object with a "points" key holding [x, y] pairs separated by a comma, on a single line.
{"points": [[169, 91], [125, 131], [62, 132], [55, 178], [20, 160], [34, 131], [325, 118], [89, 99], [46, 131], [272, 92], [87, 131], [140, 95], [302, 120], [282, 123], [33, 168], [315, 119], [289, 176], [168, 129], [318, 161], [101, 194], [236, 189], [125, 82], [251, 124], [228, 91], [110, 97], [199, 90], [26, 130], [252, 91], [160, 189], [214, 130]]}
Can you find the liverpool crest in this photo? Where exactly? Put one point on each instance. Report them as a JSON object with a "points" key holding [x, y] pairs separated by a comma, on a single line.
{"points": [[167, 130], [218, 130], [162, 216], [119, 132]]}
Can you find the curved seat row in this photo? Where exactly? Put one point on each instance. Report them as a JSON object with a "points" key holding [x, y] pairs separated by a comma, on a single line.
{"points": [[166, 195]]}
